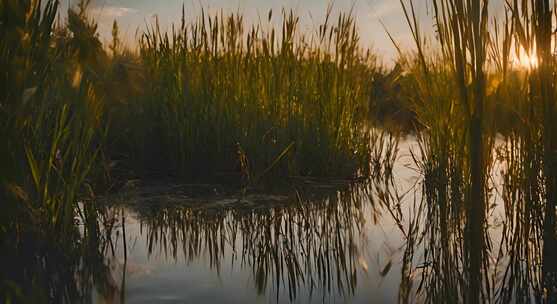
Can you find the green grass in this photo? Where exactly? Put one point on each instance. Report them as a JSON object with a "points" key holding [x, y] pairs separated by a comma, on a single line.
{"points": [[224, 98], [51, 115], [50, 123], [213, 97]]}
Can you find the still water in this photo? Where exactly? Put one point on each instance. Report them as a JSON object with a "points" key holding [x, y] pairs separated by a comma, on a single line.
{"points": [[192, 244], [399, 237]]}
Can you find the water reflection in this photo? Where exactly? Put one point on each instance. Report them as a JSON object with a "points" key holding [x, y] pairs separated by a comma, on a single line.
{"points": [[41, 269], [517, 253], [400, 237], [527, 253], [289, 245]]}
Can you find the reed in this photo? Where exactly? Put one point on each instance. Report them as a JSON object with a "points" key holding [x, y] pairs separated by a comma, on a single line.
{"points": [[225, 97], [476, 63], [50, 122], [216, 99], [531, 179], [451, 94], [51, 113]]}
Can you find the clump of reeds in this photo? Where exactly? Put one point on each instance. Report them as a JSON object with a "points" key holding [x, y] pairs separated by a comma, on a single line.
{"points": [[450, 101], [530, 182], [223, 97], [50, 124], [472, 71], [52, 108]]}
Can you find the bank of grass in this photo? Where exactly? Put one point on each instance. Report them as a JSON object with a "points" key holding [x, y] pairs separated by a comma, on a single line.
{"points": [[224, 98]]}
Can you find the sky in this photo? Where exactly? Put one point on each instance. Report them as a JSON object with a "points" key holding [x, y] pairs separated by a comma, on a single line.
{"points": [[133, 15]]}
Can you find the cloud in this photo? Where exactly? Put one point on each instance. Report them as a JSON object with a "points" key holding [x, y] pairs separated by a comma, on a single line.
{"points": [[383, 8], [112, 11]]}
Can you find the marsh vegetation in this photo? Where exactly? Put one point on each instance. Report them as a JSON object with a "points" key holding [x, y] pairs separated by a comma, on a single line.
{"points": [[291, 166]]}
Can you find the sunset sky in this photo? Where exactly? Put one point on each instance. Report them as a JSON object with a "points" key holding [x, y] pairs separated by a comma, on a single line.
{"points": [[134, 14]]}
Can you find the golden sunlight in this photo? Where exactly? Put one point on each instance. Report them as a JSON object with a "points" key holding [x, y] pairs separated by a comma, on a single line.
{"points": [[527, 60]]}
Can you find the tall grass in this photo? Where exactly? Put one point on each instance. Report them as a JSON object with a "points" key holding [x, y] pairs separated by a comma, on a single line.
{"points": [[531, 184], [224, 97], [50, 122], [451, 99], [471, 70], [216, 99], [51, 111]]}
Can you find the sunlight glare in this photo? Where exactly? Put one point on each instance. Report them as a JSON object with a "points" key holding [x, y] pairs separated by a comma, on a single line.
{"points": [[527, 61]]}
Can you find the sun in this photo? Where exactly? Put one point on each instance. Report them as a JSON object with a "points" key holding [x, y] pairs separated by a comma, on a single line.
{"points": [[527, 61]]}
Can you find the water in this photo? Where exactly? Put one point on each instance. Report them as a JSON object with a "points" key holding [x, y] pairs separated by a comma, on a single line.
{"points": [[379, 241], [334, 246], [226, 271]]}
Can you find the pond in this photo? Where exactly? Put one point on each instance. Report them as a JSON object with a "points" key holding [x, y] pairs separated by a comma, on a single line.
{"points": [[315, 243], [391, 238]]}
